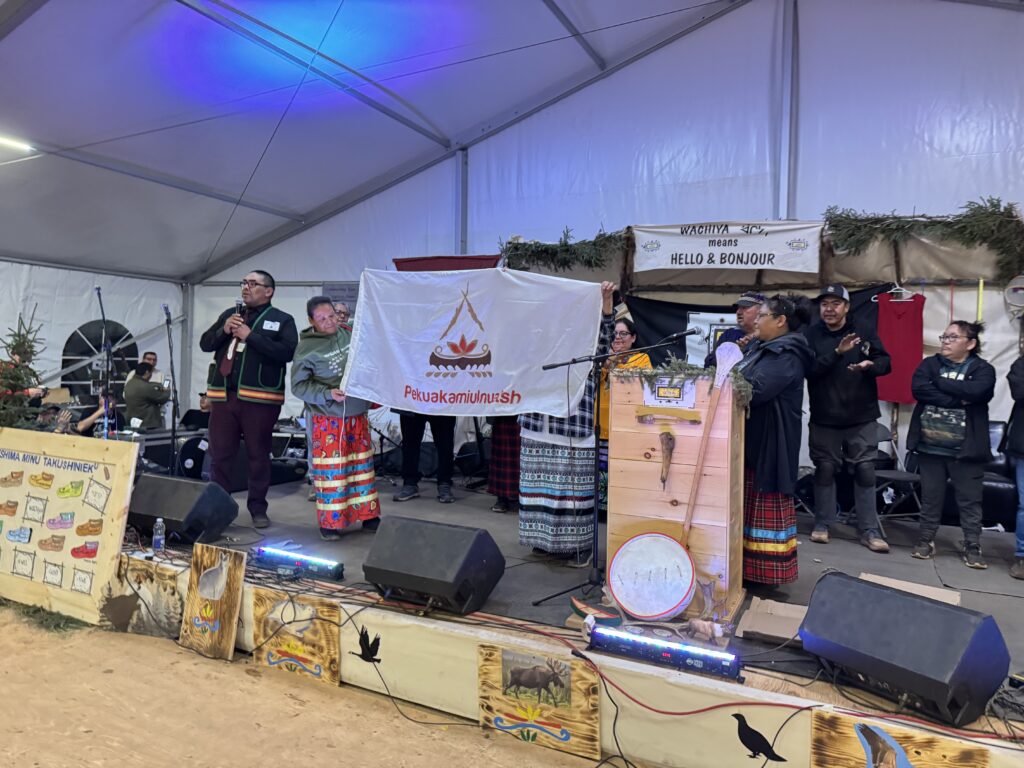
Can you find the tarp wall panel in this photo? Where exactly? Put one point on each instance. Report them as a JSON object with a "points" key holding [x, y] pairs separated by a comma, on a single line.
{"points": [[684, 134], [64, 300], [908, 106]]}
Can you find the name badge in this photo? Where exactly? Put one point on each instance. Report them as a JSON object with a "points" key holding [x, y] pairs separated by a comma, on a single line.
{"points": [[240, 347], [271, 325]]}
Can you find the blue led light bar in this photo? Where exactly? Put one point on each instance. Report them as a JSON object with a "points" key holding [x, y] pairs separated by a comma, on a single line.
{"points": [[692, 658], [318, 565]]}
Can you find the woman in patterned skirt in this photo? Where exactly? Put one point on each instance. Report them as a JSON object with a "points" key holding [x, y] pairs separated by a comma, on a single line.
{"points": [[556, 469], [342, 450], [775, 365]]}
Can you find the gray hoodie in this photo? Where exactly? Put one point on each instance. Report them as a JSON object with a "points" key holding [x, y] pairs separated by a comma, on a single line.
{"points": [[319, 364]]}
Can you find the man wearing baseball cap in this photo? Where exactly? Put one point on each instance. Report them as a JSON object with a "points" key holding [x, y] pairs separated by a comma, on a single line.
{"points": [[844, 410], [746, 307]]}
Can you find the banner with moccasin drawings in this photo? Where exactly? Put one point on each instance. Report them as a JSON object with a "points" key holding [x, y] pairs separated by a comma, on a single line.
{"points": [[63, 510]]}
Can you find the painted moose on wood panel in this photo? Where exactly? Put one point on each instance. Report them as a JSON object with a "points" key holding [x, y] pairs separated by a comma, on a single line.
{"points": [[539, 679]]}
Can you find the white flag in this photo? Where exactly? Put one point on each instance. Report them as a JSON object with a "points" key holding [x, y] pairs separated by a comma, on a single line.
{"points": [[472, 343]]}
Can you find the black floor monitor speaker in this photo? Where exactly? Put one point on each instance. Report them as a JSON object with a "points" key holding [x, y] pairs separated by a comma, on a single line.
{"points": [[444, 566], [941, 660], [195, 511]]}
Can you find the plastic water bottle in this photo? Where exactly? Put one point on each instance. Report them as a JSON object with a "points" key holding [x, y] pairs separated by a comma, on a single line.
{"points": [[159, 535]]}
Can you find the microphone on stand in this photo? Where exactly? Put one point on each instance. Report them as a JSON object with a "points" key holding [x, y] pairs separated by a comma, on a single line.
{"points": [[680, 335], [167, 313]]}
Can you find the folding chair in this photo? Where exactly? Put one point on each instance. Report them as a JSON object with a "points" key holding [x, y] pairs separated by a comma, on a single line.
{"points": [[904, 484]]}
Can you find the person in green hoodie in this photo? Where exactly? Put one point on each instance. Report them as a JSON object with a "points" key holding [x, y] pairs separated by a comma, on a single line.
{"points": [[342, 449]]}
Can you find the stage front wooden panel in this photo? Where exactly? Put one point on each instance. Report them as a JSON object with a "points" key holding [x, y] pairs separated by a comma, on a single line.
{"points": [[210, 620], [542, 700], [297, 633], [637, 502], [63, 509], [838, 741]]}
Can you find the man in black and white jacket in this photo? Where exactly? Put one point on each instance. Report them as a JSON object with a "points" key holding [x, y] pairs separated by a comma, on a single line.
{"points": [[844, 411]]}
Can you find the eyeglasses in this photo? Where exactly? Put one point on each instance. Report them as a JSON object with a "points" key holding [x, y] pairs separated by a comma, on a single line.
{"points": [[950, 337], [759, 315], [252, 284], [622, 334]]}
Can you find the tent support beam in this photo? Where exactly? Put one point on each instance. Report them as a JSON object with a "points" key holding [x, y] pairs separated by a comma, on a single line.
{"points": [[785, 159], [462, 202], [1005, 5], [474, 136], [164, 180], [571, 28], [325, 76], [15, 12], [33, 262]]}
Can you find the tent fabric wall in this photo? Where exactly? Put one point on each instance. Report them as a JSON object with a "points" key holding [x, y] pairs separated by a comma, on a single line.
{"points": [[684, 134], [64, 300], [414, 218], [908, 105]]}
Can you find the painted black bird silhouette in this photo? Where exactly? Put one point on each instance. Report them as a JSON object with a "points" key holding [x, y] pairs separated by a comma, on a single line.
{"points": [[755, 741], [367, 648]]}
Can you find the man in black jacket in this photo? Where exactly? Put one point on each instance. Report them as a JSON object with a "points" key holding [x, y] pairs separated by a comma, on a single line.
{"points": [[246, 385], [843, 391], [1014, 448]]}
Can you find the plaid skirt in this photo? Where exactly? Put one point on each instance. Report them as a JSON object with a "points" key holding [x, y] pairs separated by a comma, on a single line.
{"points": [[769, 536], [503, 474], [556, 497], [342, 458]]}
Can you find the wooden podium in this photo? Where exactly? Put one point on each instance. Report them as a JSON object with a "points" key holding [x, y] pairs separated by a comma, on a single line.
{"points": [[637, 503]]}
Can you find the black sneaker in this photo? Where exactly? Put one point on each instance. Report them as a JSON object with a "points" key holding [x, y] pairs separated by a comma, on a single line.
{"points": [[1017, 569], [330, 534], [501, 505], [923, 550], [408, 492], [260, 520], [972, 557], [444, 494], [372, 524]]}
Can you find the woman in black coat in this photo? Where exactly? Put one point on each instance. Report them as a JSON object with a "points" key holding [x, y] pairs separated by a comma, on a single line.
{"points": [[1013, 446], [775, 365], [949, 433]]}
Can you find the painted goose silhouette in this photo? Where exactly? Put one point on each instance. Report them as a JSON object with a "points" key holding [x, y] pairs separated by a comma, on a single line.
{"points": [[214, 580]]}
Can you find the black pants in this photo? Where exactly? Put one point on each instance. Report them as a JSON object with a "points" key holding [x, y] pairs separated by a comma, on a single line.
{"points": [[858, 446], [443, 429], [232, 420], [966, 477]]}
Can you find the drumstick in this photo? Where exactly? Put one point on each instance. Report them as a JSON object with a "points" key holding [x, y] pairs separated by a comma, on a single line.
{"points": [[726, 357]]}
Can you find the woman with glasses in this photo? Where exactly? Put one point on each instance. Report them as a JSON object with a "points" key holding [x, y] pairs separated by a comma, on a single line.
{"points": [[775, 365], [622, 342], [949, 433], [342, 447]]}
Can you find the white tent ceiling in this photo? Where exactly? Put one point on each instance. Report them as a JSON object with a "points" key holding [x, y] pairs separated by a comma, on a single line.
{"points": [[173, 136]]}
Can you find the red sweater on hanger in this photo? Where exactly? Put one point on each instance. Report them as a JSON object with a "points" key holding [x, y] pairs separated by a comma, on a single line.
{"points": [[901, 329]]}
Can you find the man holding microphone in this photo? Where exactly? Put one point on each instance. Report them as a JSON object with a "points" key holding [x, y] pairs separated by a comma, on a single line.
{"points": [[252, 345]]}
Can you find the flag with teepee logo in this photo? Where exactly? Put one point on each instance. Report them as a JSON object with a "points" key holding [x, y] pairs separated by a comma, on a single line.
{"points": [[472, 343]]}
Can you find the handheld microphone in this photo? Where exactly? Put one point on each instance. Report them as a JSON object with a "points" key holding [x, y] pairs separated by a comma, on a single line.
{"points": [[239, 306], [682, 334]]}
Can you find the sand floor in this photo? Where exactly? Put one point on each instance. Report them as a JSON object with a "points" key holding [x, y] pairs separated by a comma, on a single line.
{"points": [[93, 698]]}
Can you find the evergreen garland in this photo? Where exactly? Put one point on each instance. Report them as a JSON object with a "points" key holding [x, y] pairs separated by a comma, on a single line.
{"points": [[990, 223], [16, 373], [565, 254]]}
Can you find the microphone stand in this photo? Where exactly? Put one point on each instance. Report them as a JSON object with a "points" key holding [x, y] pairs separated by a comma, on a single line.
{"points": [[597, 570], [174, 398], [108, 364]]}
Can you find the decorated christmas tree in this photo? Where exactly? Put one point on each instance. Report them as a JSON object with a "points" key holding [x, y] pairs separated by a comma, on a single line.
{"points": [[21, 346]]}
